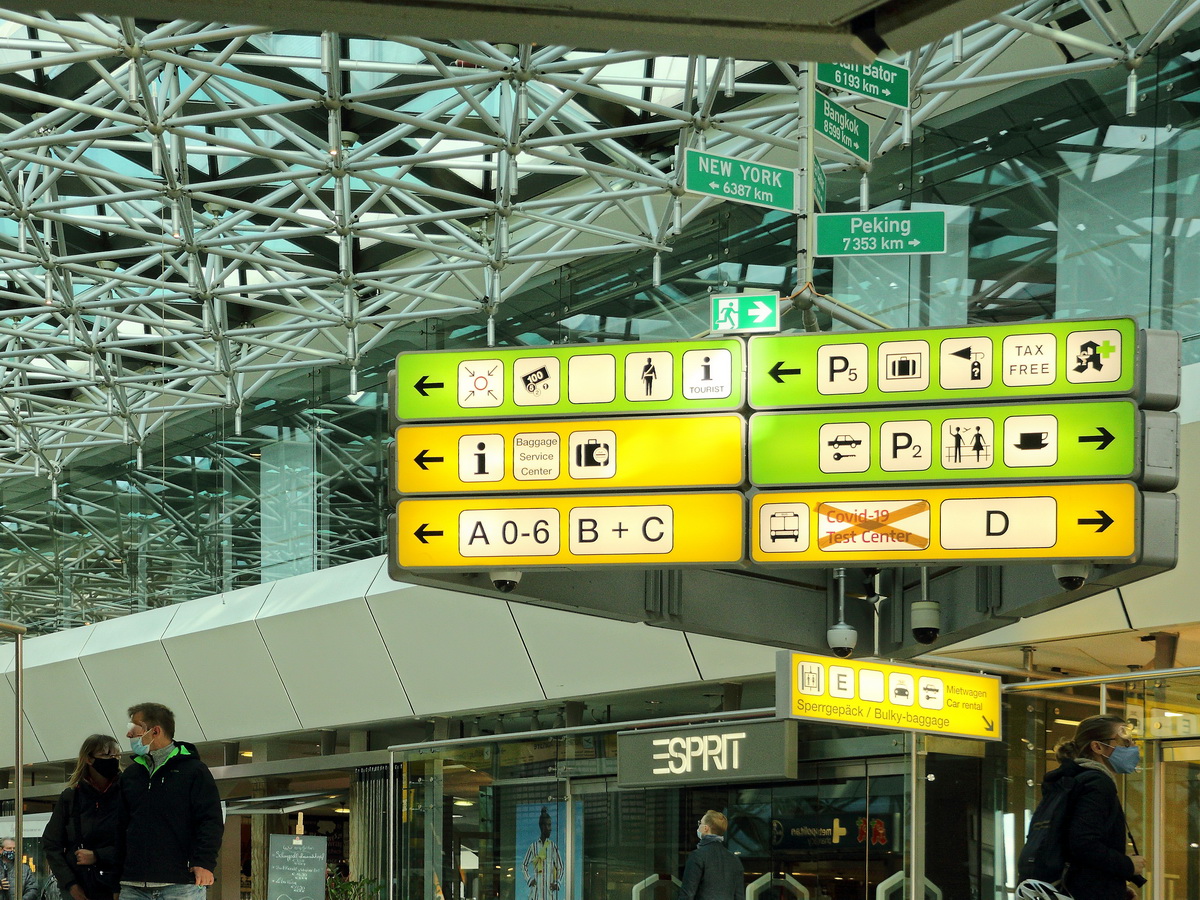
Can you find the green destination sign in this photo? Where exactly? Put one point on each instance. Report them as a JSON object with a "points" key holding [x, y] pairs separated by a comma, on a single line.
{"points": [[818, 185], [960, 365], [739, 180], [842, 127], [745, 312], [881, 233], [1034, 442], [879, 80], [588, 379]]}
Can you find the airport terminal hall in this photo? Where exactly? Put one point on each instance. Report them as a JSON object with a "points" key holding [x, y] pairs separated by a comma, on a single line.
{"points": [[598, 450]]}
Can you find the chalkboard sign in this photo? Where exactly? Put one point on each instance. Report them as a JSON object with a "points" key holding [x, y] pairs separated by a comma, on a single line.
{"points": [[296, 868]]}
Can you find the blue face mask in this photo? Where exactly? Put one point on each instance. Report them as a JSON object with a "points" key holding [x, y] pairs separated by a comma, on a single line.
{"points": [[138, 748], [1124, 760]]}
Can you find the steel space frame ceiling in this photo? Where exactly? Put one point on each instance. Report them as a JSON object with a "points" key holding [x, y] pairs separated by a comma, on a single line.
{"points": [[190, 210]]}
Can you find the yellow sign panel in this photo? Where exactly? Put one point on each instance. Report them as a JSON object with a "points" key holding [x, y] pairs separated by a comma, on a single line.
{"points": [[477, 533], [886, 695], [578, 454], [954, 524]]}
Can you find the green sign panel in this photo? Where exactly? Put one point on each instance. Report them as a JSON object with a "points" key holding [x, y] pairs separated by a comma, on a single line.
{"points": [[589, 379], [881, 233], [740, 180], [959, 365], [879, 80], [745, 312], [1035, 442], [842, 127], [818, 185]]}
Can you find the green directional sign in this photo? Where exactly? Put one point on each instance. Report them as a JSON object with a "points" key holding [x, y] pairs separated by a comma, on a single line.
{"points": [[880, 81], [965, 364], [818, 185], [881, 233], [1099, 439], [842, 127], [589, 379], [739, 180], [745, 313]]}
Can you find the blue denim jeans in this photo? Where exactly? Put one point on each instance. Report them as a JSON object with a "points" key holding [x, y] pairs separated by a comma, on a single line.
{"points": [[170, 892]]}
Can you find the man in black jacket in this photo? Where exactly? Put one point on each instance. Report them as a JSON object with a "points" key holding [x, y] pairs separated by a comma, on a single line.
{"points": [[712, 872], [171, 824]]}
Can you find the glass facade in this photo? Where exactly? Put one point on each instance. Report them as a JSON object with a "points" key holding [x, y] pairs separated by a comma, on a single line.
{"points": [[1061, 204]]}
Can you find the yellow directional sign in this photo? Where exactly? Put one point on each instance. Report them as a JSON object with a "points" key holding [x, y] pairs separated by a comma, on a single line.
{"points": [[578, 454], [916, 525], [477, 533], [886, 695]]}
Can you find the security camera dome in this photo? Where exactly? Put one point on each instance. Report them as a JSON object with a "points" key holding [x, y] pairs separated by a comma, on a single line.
{"points": [[841, 639]]}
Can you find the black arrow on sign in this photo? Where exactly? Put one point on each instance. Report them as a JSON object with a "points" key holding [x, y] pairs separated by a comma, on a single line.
{"points": [[423, 382], [1104, 521], [1101, 440], [989, 724], [421, 458], [422, 532], [778, 371]]}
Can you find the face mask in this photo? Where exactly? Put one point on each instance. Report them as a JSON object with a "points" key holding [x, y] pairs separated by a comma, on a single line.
{"points": [[107, 768], [699, 834], [138, 748], [1124, 760], [10, 855]]}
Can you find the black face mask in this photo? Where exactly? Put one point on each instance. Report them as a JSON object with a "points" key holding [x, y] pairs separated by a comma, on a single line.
{"points": [[107, 768]]}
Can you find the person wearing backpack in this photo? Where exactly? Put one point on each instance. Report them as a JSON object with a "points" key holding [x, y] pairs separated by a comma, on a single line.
{"points": [[80, 840], [1087, 832]]}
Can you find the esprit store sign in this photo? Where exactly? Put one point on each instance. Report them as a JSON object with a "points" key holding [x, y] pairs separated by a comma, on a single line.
{"points": [[747, 751]]}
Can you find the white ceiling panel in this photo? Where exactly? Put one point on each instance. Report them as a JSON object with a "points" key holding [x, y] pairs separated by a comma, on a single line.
{"points": [[576, 654], [225, 667], [334, 663], [453, 651], [59, 701], [125, 662], [722, 658], [32, 750]]}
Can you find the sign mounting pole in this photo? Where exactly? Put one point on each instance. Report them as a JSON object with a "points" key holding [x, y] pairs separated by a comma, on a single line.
{"points": [[807, 164]]}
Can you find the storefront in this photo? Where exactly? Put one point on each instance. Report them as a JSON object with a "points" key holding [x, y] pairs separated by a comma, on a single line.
{"points": [[815, 811]]}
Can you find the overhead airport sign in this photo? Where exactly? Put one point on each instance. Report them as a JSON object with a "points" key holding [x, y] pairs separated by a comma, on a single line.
{"points": [[661, 529], [744, 313], [740, 180], [580, 454], [588, 379], [964, 364], [881, 233], [881, 694], [842, 127], [1102, 439], [879, 80], [918, 525], [717, 753]]}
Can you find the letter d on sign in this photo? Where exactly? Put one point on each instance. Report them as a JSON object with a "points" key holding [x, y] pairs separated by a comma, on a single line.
{"points": [[996, 517]]}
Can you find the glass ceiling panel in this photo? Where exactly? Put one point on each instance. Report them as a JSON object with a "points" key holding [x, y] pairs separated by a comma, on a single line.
{"points": [[205, 244]]}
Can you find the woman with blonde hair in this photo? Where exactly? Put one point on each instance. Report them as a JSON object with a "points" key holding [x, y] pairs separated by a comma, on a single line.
{"points": [[80, 840], [1098, 866]]}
